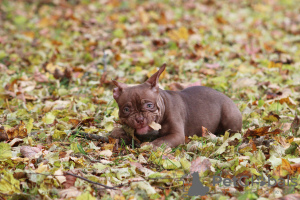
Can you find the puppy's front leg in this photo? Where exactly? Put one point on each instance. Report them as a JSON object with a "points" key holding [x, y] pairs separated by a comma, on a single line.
{"points": [[174, 138], [119, 133]]}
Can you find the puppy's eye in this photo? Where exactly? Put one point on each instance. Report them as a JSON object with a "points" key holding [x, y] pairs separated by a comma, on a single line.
{"points": [[149, 105], [126, 110]]}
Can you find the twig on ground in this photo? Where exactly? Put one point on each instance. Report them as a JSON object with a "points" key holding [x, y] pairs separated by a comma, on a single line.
{"points": [[96, 183], [91, 136]]}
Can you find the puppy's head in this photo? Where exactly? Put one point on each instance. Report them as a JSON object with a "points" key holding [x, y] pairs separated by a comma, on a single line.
{"points": [[138, 104]]}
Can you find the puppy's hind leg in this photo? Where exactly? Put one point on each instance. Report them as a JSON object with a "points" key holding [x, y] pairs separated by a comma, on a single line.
{"points": [[231, 118]]}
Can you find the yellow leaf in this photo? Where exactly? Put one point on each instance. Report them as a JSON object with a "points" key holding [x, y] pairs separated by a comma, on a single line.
{"points": [[274, 65], [59, 134], [5, 150], [109, 126], [45, 22], [48, 118], [284, 169], [29, 126], [8, 184], [52, 67], [144, 17], [29, 34], [85, 196], [115, 113], [179, 34], [42, 168]]}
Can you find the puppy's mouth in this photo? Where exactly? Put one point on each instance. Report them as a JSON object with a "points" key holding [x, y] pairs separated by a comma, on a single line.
{"points": [[143, 130]]}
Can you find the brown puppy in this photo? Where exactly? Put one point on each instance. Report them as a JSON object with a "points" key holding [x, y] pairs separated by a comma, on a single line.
{"points": [[180, 113]]}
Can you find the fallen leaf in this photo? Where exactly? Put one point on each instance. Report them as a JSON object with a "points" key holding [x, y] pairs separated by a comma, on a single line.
{"points": [[5, 150], [200, 165], [8, 184], [179, 34], [69, 193], [28, 151], [155, 126], [261, 132]]}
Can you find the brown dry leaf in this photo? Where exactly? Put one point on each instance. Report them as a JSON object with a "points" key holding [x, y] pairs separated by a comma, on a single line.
{"points": [[296, 167], [3, 134], [251, 142], [28, 151], [19, 175], [58, 74], [261, 132], [282, 141], [39, 77], [70, 181], [221, 20], [62, 154], [70, 192], [88, 122], [68, 73], [10, 86], [284, 169], [207, 134], [243, 176], [295, 124], [74, 122], [200, 165], [162, 20], [118, 57], [287, 100], [159, 42], [19, 131]]}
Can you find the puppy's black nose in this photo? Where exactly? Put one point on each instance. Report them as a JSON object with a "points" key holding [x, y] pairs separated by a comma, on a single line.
{"points": [[139, 120]]}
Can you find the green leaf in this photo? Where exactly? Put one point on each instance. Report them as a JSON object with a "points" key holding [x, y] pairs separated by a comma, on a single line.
{"points": [[49, 118], [86, 196], [5, 151], [8, 184]]}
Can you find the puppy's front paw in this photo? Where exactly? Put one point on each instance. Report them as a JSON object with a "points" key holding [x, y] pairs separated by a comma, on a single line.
{"points": [[147, 146], [119, 133], [159, 143]]}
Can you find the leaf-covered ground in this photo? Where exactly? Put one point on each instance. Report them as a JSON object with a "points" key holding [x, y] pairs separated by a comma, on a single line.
{"points": [[57, 59]]}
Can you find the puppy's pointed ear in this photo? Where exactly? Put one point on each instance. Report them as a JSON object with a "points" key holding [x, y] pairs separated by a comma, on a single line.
{"points": [[119, 89], [153, 80]]}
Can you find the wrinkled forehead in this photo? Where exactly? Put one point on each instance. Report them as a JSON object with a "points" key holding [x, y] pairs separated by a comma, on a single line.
{"points": [[136, 94]]}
